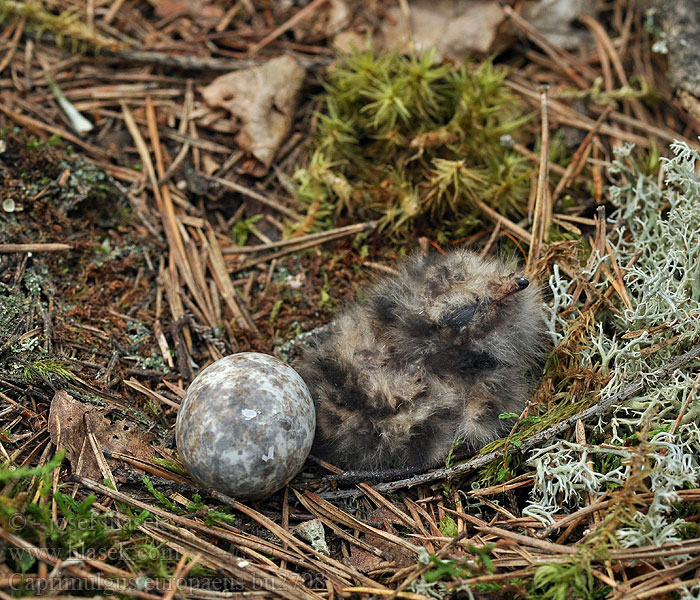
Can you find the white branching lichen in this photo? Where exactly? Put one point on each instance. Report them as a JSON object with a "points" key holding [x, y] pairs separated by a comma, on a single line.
{"points": [[568, 471], [657, 230], [561, 298], [673, 469]]}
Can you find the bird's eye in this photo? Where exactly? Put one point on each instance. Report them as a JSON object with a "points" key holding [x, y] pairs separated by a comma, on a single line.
{"points": [[460, 316]]}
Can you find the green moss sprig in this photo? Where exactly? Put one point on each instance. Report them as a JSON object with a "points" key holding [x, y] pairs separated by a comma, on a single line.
{"points": [[64, 26], [409, 140]]}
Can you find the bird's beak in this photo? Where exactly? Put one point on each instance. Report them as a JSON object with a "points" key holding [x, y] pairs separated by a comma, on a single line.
{"points": [[516, 284], [522, 283]]}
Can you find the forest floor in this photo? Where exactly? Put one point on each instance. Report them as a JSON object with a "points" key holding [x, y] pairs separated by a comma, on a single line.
{"points": [[136, 253]]}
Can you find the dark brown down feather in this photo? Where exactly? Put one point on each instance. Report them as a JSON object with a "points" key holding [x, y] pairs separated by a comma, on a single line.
{"points": [[428, 359]]}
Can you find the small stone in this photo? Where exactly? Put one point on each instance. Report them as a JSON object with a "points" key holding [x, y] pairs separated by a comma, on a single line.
{"points": [[312, 531]]}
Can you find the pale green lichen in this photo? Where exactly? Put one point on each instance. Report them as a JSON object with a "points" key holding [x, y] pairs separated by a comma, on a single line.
{"points": [[561, 298], [567, 469], [660, 227], [674, 468]]}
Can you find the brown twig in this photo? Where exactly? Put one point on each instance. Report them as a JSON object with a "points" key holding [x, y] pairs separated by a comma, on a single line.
{"points": [[319, 237], [21, 248], [370, 225], [232, 185], [578, 160], [542, 215], [10, 53], [299, 16], [561, 57]]}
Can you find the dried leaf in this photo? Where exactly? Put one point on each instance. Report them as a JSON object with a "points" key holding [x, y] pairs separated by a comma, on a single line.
{"points": [[333, 16], [362, 560], [383, 518], [555, 20], [67, 429], [454, 27], [263, 98], [199, 10]]}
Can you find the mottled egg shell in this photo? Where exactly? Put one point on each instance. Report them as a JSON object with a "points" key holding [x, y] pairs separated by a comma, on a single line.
{"points": [[246, 425]]}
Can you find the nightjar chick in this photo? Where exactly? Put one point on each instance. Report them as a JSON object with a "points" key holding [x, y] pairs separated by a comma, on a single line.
{"points": [[428, 359]]}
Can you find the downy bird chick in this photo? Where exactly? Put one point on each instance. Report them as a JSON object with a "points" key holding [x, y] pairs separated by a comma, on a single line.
{"points": [[428, 360]]}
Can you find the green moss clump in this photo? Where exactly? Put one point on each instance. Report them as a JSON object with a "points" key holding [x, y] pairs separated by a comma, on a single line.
{"points": [[409, 140], [66, 25]]}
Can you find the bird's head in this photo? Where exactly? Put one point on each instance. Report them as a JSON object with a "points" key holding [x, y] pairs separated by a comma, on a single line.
{"points": [[477, 306], [462, 300]]}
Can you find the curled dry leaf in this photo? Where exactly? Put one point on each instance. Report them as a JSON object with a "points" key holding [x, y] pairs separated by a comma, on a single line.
{"points": [[67, 418], [347, 42], [331, 18], [454, 27], [362, 560], [555, 19], [384, 519], [199, 10], [263, 98]]}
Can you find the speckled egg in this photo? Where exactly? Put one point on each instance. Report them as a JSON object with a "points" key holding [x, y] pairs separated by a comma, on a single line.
{"points": [[246, 425]]}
